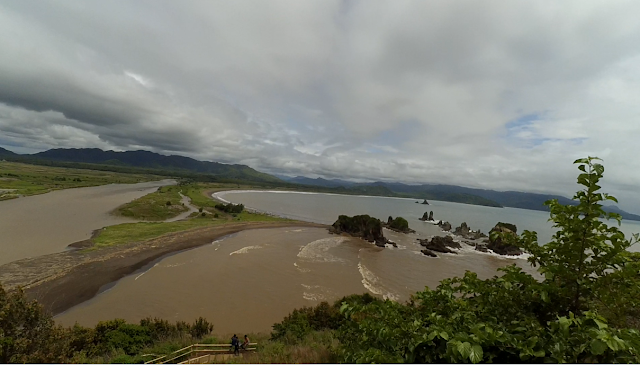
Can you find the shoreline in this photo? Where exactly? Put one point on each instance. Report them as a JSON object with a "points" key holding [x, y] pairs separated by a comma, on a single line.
{"points": [[63, 280]]}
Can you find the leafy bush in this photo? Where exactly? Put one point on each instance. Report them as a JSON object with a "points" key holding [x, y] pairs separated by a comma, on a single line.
{"points": [[400, 224], [303, 321], [515, 318], [230, 208]]}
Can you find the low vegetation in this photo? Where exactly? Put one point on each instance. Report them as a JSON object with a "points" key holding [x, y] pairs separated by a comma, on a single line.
{"points": [[143, 231], [230, 208], [19, 179], [163, 204]]}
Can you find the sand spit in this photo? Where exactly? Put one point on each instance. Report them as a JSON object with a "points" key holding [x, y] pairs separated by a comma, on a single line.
{"points": [[62, 280]]}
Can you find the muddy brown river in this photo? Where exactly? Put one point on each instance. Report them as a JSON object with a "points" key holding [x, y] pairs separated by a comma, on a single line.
{"points": [[248, 281], [47, 223]]}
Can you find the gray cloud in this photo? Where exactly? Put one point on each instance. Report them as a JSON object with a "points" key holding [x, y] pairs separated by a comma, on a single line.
{"points": [[492, 94]]}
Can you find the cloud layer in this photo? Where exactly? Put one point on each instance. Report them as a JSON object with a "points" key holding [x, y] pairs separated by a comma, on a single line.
{"points": [[494, 94]]}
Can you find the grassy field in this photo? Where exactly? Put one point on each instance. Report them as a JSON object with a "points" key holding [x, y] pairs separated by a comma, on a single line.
{"points": [[157, 206], [143, 231], [18, 179], [197, 192]]}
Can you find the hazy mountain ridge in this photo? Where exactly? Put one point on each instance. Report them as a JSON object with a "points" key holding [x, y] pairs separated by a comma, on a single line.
{"points": [[6, 153], [147, 160], [454, 193]]}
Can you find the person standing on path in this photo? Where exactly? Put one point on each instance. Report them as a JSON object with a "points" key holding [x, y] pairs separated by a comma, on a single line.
{"points": [[235, 343]]}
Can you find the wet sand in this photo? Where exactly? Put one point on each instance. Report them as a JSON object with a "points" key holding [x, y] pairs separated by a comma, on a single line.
{"points": [[62, 280], [44, 224]]}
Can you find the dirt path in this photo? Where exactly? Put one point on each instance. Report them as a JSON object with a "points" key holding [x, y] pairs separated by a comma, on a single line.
{"points": [[62, 280]]}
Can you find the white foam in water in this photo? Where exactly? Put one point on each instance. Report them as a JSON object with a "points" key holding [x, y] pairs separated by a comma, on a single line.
{"points": [[300, 268], [372, 283], [146, 271], [318, 251], [315, 292], [245, 250]]}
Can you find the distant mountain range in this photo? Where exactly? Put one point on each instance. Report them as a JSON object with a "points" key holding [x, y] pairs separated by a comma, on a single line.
{"points": [[154, 162], [145, 161], [454, 193], [6, 153]]}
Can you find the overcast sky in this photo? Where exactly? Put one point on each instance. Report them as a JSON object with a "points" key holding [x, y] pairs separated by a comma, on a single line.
{"points": [[493, 94]]}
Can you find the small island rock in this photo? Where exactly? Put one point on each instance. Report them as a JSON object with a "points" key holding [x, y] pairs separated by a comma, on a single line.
{"points": [[440, 244], [496, 243], [445, 226]]}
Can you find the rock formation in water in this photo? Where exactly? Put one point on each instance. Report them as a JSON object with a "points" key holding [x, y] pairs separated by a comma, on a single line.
{"points": [[427, 216], [481, 248], [399, 225], [496, 243], [428, 253], [439, 244], [445, 226], [466, 232], [363, 226]]}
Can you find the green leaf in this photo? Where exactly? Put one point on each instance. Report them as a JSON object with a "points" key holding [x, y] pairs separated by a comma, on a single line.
{"points": [[539, 353], [476, 354], [464, 348], [444, 335], [544, 296], [600, 324], [598, 347]]}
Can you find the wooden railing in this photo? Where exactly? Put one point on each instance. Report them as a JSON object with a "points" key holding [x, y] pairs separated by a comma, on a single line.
{"points": [[197, 350]]}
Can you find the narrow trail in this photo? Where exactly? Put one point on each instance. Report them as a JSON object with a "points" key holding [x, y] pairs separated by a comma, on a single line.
{"points": [[186, 201]]}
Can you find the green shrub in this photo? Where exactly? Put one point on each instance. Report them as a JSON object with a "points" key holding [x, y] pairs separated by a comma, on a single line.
{"points": [[230, 208], [200, 328], [400, 224]]}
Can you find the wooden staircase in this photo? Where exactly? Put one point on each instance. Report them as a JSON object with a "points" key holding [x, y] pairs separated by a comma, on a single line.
{"points": [[200, 354]]}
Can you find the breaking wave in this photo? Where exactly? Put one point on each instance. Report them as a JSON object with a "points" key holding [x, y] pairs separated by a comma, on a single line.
{"points": [[372, 283], [245, 250], [318, 251]]}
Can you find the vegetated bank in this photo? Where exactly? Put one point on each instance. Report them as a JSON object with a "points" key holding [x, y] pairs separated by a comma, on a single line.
{"points": [[20, 179], [163, 204]]}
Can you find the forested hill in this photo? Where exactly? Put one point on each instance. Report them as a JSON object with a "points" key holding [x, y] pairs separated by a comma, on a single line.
{"points": [[6, 153], [147, 160]]}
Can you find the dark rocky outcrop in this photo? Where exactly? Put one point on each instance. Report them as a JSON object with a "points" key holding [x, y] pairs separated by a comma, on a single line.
{"points": [[440, 244], [445, 226], [428, 253], [363, 226], [497, 244], [399, 225], [427, 216], [466, 232], [482, 248], [425, 202]]}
